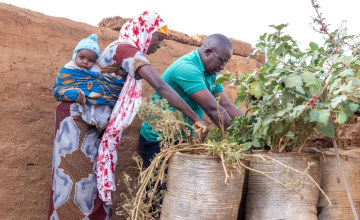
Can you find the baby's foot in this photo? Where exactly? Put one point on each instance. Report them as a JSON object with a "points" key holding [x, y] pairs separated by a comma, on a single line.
{"points": [[81, 98]]}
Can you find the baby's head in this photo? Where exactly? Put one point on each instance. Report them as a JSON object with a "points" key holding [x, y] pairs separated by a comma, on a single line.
{"points": [[86, 52]]}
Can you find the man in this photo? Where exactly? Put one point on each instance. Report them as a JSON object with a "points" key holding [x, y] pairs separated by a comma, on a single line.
{"points": [[192, 76]]}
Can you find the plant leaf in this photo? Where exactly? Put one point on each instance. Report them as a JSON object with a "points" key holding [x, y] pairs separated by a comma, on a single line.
{"points": [[341, 118], [313, 89], [309, 78], [256, 143], [313, 46], [354, 107], [315, 116], [237, 102], [293, 80], [336, 72], [279, 27], [262, 37], [267, 120], [288, 97], [248, 145], [279, 128], [220, 80], [334, 85], [280, 49], [326, 130], [228, 75], [355, 81], [357, 62], [300, 89], [241, 90], [257, 125], [346, 73], [256, 89], [324, 116], [290, 135], [335, 101], [297, 111]]}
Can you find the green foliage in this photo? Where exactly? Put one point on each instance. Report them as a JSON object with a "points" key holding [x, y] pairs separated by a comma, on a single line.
{"points": [[295, 93], [240, 133]]}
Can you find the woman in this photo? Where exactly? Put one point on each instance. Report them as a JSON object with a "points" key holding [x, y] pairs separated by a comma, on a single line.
{"points": [[74, 193]]}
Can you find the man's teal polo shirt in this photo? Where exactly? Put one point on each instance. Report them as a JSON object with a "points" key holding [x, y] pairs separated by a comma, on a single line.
{"points": [[186, 76]]}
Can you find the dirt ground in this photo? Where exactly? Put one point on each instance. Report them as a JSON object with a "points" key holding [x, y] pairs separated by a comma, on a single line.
{"points": [[33, 48]]}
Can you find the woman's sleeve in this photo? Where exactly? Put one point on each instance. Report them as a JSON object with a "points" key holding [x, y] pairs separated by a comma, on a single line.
{"points": [[129, 58]]}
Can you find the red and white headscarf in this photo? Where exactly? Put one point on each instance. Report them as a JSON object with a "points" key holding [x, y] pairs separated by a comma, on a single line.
{"points": [[137, 32]]}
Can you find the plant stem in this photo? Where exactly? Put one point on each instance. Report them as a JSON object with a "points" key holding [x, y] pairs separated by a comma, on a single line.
{"points": [[282, 146], [263, 173], [221, 155], [346, 184], [307, 136]]}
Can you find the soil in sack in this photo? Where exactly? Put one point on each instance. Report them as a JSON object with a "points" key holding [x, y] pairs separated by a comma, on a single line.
{"points": [[196, 189], [295, 199], [333, 186]]}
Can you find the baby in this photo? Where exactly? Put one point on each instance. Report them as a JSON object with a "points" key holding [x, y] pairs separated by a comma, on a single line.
{"points": [[76, 83]]}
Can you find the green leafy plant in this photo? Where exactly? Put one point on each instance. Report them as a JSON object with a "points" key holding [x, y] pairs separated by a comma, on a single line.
{"points": [[296, 93]]}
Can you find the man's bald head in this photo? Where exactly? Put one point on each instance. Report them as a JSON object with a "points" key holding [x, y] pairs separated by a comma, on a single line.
{"points": [[217, 41]]}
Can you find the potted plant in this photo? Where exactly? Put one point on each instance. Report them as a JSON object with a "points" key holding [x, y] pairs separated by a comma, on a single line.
{"points": [[297, 93]]}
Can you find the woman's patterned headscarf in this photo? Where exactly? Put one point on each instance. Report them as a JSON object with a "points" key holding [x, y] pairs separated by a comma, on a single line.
{"points": [[138, 31]]}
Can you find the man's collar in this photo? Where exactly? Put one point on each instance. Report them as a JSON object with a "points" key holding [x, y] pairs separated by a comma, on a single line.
{"points": [[199, 62]]}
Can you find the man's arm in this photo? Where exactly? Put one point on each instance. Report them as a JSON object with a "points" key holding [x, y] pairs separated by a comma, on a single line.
{"points": [[210, 106], [226, 104]]}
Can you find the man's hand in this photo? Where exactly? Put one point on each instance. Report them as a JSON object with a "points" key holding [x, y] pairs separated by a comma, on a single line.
{"points": [[81, 98], [228, 106], [201, 130], [210, 106]]}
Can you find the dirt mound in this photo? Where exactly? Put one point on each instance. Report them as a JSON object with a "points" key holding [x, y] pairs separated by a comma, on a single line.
{"points": [[258, 57], [347, 136], [114, 23], [239, 47], [182, 38]]}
